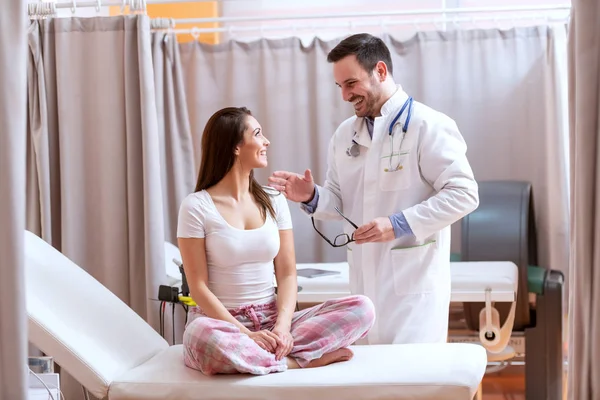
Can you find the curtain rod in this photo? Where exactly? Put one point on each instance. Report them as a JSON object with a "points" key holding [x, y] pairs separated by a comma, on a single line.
{"points": [[74, 4], [377, 14], [69, 4], [195, 31]]}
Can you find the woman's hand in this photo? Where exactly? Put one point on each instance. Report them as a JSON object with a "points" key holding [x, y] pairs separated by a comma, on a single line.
{"points": [[286, 341], [266, 340]]}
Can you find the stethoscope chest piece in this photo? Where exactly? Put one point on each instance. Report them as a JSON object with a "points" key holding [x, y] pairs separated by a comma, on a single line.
{"points": [[354, 150]]}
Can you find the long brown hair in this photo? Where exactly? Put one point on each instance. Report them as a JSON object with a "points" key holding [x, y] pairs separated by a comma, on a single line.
{"points": [[223, 132]]}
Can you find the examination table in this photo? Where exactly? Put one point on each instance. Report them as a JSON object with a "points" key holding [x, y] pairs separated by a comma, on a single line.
{"points": [[116, 355]]}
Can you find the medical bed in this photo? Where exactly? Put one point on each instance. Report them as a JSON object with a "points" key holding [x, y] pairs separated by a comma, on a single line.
{"points": [[116, 355], [501, 230]]}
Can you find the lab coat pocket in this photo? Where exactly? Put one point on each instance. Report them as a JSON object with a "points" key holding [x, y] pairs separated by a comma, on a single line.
{"points": [[414, 268], [394, 171]]}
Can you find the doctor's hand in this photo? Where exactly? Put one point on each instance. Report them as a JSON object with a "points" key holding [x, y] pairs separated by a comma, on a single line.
{"points": [[378, 230], [294, 186]]}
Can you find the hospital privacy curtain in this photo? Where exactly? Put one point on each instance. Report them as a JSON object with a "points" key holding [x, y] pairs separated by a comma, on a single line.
{"points": [[584, 105], [175, 140], [93, 178], [13, 113]]}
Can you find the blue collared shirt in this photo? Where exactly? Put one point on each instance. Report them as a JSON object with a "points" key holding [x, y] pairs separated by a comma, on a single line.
{"points": [[399, 223]]}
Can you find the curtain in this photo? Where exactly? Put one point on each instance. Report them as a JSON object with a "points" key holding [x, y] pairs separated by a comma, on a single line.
{"points": [[176, 146], [94, 188], [176, 149], [13, 111], [584, 104], [503, 87]]}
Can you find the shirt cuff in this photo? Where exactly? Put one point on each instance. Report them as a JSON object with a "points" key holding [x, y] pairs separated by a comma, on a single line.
{"points": [[400, 225], [311, 206]]}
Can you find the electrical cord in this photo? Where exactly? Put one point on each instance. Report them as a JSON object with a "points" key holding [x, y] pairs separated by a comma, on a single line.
{"points": [[173, 320], [159, 318], [185, 309], [164, 305]]}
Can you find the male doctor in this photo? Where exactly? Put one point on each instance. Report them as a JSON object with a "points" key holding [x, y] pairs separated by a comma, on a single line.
{"points": [[398, 170]]}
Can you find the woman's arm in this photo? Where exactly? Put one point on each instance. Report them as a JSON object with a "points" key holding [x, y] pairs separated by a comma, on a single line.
{"points": [[287, 283], [193, 253]]}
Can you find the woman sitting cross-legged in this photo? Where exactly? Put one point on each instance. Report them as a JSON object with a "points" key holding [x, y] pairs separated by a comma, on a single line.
{"points": [[233, 235]]}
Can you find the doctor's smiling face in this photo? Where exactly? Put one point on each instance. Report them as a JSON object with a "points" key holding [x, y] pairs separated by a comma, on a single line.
{"points": [[362, 68], [360, 87]]}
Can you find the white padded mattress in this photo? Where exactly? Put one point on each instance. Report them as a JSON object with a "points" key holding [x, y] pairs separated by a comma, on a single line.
{"points": [[417, 371], [469, 281]]}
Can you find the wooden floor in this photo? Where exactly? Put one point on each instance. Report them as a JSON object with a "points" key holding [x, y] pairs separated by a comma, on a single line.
{"points": [[508, 384]]}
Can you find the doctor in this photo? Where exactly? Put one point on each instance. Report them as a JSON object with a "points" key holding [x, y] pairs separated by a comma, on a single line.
{"points": [[398, 170]]}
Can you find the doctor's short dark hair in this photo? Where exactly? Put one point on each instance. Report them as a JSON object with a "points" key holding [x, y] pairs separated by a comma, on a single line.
{"points": [[368, 49]]}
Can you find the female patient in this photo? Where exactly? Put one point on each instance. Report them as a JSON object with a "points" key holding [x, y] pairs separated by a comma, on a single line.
{"points": [[233, 236]]}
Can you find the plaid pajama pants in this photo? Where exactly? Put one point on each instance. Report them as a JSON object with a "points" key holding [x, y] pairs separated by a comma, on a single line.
{"points": [[213, 346]]}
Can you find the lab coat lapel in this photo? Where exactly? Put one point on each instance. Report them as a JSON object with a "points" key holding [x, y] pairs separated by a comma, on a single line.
{"points": [[361, 133]]}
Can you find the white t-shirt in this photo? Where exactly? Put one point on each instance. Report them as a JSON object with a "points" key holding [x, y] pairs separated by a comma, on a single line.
{"points": [[240, 262]]}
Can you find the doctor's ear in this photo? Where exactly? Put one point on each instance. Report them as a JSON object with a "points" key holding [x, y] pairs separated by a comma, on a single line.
{"points": [[381, 71]]}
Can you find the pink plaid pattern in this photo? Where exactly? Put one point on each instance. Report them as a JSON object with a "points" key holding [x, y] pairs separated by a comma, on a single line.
{"points": [[217, 347]]}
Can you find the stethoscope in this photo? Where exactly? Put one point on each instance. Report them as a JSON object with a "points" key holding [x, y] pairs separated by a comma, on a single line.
{"points": [[354, 150]]}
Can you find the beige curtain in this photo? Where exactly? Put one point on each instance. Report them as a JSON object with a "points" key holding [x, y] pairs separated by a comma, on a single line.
{"points": [[584, 103], [505, 89], [178, 174], [94, 188], [13, 119]]}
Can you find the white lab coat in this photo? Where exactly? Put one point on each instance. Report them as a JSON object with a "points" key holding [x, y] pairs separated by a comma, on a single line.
{"points": [[408, 279]]}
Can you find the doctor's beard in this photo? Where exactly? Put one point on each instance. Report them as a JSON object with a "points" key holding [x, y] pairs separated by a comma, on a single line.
{"points": [[369, 106]]}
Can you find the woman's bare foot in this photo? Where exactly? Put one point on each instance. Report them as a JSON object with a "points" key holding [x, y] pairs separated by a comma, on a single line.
{"points": [[326, 359], [291, 363], [330, 358]]}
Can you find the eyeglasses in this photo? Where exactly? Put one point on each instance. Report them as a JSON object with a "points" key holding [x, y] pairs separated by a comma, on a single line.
{"points": [[341, 239]]}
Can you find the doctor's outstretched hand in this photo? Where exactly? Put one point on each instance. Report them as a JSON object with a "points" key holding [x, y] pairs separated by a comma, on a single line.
{"points": [[378, 230], [294, 186]]}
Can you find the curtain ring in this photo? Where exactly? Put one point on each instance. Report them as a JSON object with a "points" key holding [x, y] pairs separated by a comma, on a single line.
{"points": [[98, 5], [74, 6], [195, 33]]}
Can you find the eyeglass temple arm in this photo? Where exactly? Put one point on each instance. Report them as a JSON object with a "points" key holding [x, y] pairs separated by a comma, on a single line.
{"points": [[346, 218]]}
